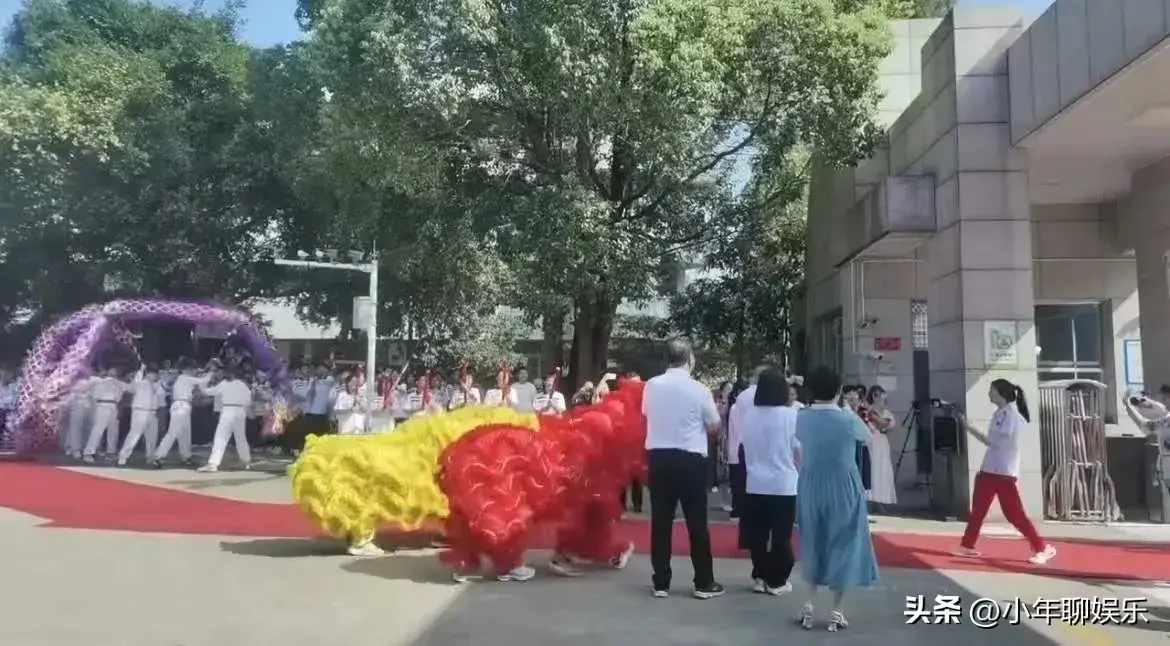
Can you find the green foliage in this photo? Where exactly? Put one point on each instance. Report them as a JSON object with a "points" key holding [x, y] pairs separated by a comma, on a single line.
{"points": [[494, 338], [743, 306], [592, 140], [130, 148]]}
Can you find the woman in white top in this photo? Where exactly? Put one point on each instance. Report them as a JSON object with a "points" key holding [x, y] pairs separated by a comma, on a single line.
{"points": [[771, 455], [997, 477], [350, 409], [880, 420]]}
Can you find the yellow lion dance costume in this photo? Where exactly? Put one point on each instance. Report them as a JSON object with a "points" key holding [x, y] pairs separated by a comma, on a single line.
{"points": [[350, 485]]}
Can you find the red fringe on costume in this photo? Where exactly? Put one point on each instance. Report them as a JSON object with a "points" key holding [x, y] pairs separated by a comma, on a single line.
{"points": [[503, 482]]}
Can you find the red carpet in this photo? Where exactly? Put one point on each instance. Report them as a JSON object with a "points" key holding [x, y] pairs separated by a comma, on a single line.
{"points": [[76, 500]]}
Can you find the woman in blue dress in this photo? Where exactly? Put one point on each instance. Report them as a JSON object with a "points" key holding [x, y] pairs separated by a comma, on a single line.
{"points": [[836, 550]]}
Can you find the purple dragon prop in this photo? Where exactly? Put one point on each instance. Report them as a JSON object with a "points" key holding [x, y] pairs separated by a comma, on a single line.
{"points": [[63, 354]]}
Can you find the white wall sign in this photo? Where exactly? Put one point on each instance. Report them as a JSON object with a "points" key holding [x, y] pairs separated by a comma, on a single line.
{"points": [[1000, 344], [1134, 375]]}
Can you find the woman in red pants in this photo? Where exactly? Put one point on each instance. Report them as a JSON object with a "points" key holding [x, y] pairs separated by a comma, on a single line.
{"points": [[997, 477]]}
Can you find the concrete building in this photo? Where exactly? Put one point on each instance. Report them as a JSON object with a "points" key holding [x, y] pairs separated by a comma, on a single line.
{"points": [[1013, 222]]}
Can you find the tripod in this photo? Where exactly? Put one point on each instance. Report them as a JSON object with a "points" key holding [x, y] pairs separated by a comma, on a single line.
{"points": [[913, 425]]}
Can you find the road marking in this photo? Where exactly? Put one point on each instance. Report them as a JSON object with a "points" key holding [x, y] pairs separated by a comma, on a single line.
{"points": [[1090, 635]]}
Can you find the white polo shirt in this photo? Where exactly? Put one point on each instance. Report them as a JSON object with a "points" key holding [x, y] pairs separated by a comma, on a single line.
{"points": [[678, 411], [743, 402], [1003, 442]]}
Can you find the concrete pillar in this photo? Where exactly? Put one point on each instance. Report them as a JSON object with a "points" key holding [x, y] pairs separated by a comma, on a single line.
{"points": [[980, 260], [1153, 279]]}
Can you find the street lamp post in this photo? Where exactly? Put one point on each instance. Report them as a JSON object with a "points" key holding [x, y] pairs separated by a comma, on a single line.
{"points": [[371, 269]]}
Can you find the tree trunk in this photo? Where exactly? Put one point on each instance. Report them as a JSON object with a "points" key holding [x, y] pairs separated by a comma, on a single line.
{"points": [[553, 329], [589, 353]]}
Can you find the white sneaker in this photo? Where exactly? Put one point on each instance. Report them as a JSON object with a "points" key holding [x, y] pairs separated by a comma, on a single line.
{"points": [[661, 594], [965, 551], [620, 561], [89, 459], [518, 574], [561, 566], [464, 577], [207, 468], [1043, 556], [76, 455], [758, 586], [779, 591], [365, 549]]}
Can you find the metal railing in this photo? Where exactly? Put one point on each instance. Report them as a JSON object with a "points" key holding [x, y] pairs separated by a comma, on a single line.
{"points": [[1077, 486]]}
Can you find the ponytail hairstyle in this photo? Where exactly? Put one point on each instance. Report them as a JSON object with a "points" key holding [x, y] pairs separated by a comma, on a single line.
{"points": [[1012, 393]]}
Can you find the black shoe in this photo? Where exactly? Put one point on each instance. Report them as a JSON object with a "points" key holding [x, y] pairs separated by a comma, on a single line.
{"points": [[709, 591]]}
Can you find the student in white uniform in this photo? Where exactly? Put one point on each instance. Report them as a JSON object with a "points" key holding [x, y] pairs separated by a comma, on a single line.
{"points": [[78, 417], [350, 409], [553, 402], [179, 430], [143, 415], [235, 399], [107, 393], [524, 391], [9, 398], [464, 393]]}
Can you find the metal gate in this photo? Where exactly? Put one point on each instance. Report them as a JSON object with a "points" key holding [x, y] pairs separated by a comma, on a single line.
{"points": [[1077, 485]]}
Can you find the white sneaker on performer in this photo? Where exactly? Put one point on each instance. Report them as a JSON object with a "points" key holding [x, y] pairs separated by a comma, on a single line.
{"points": [[89, 459], [1043, 556], [465, 577], [759, 587], [965, 551], [620, 561], [207, 468], [365, 549], [562, 566], [517, 574]]}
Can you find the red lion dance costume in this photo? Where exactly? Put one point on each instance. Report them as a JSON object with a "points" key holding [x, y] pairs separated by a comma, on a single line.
{"points": [[503, 482]]}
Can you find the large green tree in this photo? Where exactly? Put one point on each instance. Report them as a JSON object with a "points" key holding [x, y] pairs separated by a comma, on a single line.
{"points": [[742, 304], [596, 138], [131, 148]]}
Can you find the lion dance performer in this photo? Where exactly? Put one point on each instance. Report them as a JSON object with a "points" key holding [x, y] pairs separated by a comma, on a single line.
{"points": [[353, 485], [503, 481]]}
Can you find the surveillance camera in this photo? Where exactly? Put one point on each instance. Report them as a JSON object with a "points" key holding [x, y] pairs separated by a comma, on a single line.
{"points": [[876, 356], [866, 322]]}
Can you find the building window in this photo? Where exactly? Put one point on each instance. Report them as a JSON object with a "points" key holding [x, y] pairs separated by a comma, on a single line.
{"points": [[827, 349], [919, 325], [1070, 342]]}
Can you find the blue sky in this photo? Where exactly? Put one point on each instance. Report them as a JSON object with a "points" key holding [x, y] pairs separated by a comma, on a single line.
{"points": [[267, 22]]}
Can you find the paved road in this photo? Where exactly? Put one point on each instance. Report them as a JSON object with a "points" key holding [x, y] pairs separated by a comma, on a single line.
{"points": [[74, 587]]}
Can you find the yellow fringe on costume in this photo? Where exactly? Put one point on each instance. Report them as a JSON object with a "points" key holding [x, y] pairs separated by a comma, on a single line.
{"points": [[352, 484]]}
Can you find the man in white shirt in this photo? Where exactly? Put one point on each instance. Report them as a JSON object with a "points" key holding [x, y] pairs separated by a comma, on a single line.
{"points": [[79, 411], [179, 428], [680, 415], [107, 395], [736, 473], [524, 391], [236, 398], [143, 415]]}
